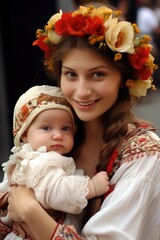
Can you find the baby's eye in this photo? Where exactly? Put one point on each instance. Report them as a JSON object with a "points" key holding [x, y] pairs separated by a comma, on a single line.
{"points": [[66, 128], [46, 128]]}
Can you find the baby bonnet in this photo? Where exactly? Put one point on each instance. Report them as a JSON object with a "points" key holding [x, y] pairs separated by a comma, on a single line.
{"points": [[34, 101]]}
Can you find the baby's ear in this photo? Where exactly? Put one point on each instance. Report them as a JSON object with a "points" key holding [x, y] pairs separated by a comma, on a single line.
{"points": [[24, 137]]}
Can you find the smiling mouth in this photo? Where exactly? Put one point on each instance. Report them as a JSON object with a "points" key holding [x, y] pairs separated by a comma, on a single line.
{"points": [[86, 104]]}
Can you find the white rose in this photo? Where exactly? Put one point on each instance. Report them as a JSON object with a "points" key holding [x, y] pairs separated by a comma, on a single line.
{"points": [[53, 37], [54, 19], [140, 87], [119, 36]]}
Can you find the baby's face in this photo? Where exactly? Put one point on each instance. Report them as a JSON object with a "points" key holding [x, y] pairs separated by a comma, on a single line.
{"points": [[52, 128]]}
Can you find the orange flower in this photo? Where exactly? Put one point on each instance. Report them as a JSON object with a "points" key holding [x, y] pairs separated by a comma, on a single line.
{"points": [[24, 112]]}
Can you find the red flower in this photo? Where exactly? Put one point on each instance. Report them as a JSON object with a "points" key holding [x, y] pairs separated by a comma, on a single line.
{"points": [[43, 46], [96, 27], [78, 24], [61, 24], [138, 60], [141, 55], [143, 73]]}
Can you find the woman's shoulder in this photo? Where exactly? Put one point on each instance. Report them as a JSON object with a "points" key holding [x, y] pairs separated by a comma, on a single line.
{"points": [[139, 142]]}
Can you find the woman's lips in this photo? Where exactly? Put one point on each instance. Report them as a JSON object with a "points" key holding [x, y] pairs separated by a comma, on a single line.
{"points": [[86, 105]]}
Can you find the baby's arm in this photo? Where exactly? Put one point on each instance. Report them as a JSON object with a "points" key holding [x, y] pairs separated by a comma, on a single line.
{"points": [[98, 185]]}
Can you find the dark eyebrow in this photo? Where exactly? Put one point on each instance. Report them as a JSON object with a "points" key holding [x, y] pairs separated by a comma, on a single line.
{"points": [[67, 68], [92, 69]]}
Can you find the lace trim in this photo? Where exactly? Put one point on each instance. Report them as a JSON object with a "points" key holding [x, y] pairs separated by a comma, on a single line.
{"points": [[77, 201]]}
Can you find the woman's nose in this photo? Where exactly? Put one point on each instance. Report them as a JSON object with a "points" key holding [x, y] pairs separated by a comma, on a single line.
{"points": [[83, 88]]}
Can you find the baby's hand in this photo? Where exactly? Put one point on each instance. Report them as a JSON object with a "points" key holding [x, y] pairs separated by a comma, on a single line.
{"points": [[101, 183]]}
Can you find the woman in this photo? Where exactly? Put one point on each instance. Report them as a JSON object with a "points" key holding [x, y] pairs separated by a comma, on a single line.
{"points": [[103, 66]]}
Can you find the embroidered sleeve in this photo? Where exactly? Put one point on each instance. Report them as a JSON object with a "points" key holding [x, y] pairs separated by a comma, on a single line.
{"points": [[68, 232], [4, 230], [140, 146]]}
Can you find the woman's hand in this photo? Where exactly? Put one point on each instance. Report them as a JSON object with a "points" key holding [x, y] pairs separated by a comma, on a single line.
{"points": [[25, 209], [20, 200]]}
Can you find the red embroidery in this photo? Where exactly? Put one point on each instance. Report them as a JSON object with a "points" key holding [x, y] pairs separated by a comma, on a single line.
{"points": [[111, 161]]}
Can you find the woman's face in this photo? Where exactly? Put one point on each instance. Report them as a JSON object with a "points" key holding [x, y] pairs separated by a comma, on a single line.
{"points": [[89, 83]]}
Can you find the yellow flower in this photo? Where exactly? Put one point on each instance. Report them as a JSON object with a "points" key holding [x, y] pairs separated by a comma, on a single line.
{"points": [[102, 12], [119, 36], [117, 56], [140, 87], [53, 19], [136, 29], [82, 10], [150, 65], [53, 37]]}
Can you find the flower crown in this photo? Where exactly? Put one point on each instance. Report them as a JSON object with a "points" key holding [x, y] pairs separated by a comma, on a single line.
{"points": [[102, 26]]}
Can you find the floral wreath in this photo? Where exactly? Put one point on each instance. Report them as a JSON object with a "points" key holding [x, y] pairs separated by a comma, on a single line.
{"points": [[102, 25]]}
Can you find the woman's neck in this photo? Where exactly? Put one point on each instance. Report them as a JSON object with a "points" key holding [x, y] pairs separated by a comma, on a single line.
{"points": [[92, 129], [89, 156]]}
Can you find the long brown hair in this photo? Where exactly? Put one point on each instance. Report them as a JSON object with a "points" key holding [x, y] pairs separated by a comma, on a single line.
{"points": [[115, 120]]}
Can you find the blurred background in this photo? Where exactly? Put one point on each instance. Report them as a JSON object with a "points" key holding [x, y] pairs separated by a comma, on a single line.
{"points": [[20, 62]]}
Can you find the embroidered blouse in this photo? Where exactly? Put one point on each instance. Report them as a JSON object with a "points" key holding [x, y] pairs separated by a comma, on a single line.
{"points": [[132, 210]]}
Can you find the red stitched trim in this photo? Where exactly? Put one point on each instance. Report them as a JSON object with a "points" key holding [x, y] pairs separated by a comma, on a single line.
{"points": [[111, 161], [54, 231]]}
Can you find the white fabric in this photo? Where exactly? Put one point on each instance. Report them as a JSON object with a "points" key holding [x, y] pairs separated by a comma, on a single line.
{"points": [[54, 178], [132, 210], [13, 236]]}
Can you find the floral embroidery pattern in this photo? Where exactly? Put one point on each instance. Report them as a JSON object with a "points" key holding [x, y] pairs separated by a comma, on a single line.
{"points": [[140, 146], [136, 146], [26, 109], [4, 230], [18, 231], [67, 232]]}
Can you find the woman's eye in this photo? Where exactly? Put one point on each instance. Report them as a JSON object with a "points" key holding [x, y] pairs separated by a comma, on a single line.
{"points": [[98, 74], [71, 74]]}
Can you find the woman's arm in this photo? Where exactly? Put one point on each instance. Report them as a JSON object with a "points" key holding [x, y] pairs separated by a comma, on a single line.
{"points": [[124, 213], [24, 209]]}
